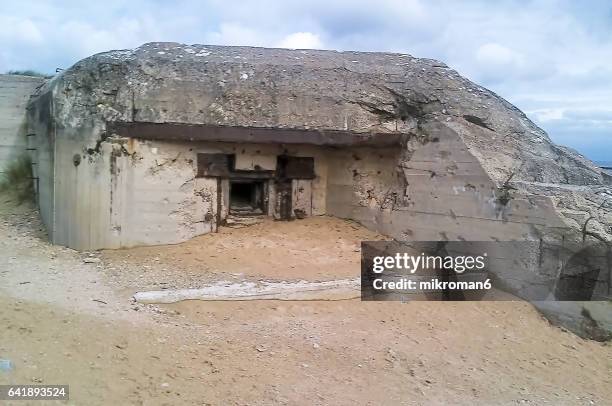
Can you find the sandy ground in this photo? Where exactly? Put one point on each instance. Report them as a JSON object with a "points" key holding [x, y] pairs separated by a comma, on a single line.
{"points": [[317, 248], [67, 322]]}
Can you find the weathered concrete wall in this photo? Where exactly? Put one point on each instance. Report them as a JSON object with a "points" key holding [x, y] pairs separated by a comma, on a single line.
{"points": [[73, 186], [147, 192], [434, 190], [81, 190], [15, 91], [301, 193], [40, 123], [363, 184]]}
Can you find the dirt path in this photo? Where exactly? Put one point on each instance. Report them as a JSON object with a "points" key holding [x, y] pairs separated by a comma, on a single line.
{"points": [[112, 351]]}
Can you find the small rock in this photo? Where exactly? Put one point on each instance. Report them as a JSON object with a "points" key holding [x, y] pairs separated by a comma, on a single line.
{"points": [[90, 260]]}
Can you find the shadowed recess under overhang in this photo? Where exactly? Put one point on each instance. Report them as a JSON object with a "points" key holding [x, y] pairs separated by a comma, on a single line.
{"points": [[262, 135]]}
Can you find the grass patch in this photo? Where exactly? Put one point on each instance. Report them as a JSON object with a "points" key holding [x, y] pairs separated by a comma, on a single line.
{"points": [[17, 179], [29, 72]]}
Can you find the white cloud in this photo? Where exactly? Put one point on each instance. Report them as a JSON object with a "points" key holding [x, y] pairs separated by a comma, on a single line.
{"points": [[301, 40], [28, 32], [232, 33], [497, 62], [19, 30], [496, 55], [544, 115]]}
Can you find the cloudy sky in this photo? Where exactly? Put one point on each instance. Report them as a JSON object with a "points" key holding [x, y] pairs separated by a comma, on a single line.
{"points": [[553, 59]]}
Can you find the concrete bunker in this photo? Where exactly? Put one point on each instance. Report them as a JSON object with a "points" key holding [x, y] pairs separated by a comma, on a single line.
{"points": [[162, 143], [165, 142]]}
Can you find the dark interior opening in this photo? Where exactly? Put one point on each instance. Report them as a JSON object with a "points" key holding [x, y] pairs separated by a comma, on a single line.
{"points": [[246, 197]]}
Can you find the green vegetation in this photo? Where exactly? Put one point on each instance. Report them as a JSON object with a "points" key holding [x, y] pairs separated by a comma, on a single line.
{"points": [[29, 72], [17, 179]]}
